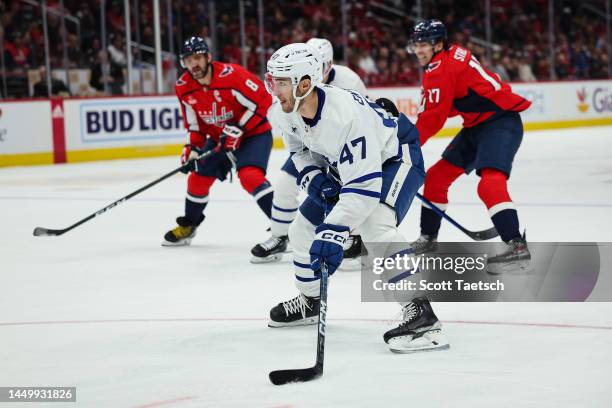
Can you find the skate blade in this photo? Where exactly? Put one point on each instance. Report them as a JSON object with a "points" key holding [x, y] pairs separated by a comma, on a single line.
{"points": [[184, 242], [417, 350], [302, 322], [513, 268], [266, 259], [431, 340]]}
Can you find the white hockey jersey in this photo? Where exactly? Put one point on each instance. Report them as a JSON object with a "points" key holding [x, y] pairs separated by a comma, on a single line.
{"points": [[345, 78], [352, 137]]}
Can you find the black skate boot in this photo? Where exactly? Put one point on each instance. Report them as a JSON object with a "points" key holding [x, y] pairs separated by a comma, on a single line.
{"points": [[182, 234], [352, 248], [353, 251], [420, 330], [515, 258], [271, 250], [425, 244], [299, 311]]}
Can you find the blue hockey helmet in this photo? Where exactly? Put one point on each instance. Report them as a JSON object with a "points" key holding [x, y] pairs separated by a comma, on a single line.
{"points": [[430, 31], [193, 45]]}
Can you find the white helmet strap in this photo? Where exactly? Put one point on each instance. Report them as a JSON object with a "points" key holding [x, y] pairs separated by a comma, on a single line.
{"points": [[298, 99]]}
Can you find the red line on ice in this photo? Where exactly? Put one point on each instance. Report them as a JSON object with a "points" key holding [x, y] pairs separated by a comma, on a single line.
{"points": [[167, 402]]}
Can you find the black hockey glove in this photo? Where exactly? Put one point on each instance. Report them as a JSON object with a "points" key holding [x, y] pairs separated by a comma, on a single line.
{"points": [[389, 106]]}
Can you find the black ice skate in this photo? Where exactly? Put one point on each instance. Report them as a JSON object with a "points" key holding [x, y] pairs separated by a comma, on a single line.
{"points": [[299, 311], [515, 258], [353, 249], [270, 250], [182, 234], [425, 244], [421, 330]]}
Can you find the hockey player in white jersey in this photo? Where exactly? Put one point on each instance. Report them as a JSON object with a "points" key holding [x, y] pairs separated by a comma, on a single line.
{"points": [[285, 201], [361, 169], [335, 74]]}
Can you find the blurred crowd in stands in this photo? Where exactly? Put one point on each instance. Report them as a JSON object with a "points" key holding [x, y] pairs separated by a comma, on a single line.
{"points": [[378, 32]]}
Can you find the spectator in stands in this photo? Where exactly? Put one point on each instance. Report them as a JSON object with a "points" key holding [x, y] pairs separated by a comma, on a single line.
{"points": [[115, 16], [75, 54], [117, 51], [58, 87], [382, 75], [499, 68], [599, 66], [562, 66], [525, 74], [17, 52], [107, 72], [408, 74], [366, 63], [88, 23], [580, 60], [91, 54]]}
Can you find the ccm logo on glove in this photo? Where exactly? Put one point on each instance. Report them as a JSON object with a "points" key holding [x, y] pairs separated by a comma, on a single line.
{"points": [[327, 247], [330, 236]]}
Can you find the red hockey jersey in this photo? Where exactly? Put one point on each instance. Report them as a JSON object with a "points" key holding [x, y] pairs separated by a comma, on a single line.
{"points": [[235, 96], [454, 83]]}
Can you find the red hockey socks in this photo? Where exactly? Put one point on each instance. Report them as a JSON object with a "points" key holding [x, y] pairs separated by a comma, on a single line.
{"points": [[253, 180], [437, 182], [197, 197], [493, 191]]}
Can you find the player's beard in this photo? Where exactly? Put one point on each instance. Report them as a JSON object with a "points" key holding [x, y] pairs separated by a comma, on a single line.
{"points": [[200, 73]]}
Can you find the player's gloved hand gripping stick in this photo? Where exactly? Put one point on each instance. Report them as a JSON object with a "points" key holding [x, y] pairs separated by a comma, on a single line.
{"points": [[40, 231]]}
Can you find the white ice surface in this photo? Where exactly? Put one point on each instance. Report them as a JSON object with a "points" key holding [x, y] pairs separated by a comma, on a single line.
{"points": [[105, 308]]}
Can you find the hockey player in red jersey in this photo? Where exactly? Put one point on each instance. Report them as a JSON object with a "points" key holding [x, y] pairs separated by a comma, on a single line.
{"points": [[454, 83], [224, 108]]}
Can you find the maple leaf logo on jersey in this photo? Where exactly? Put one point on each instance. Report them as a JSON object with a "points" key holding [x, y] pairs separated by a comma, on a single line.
{"points": [[226, 71], [432, 66], [582, 95]]}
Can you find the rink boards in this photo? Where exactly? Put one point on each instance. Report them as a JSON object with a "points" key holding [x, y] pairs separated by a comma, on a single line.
{"points": [[76, 130]]}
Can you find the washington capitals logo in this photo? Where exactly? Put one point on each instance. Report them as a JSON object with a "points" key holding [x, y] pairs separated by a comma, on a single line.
{"points": [[213, 118], [433, 66], [227, 69], [582, 95]]}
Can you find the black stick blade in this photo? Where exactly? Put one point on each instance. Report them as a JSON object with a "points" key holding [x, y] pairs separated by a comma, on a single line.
{"points": [[484, 235], [45, 232], [280, 377]]}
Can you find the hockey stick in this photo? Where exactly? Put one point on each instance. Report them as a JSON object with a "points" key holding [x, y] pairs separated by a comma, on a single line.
{"points": [[45, 232], [475, 235], [280, 377]]}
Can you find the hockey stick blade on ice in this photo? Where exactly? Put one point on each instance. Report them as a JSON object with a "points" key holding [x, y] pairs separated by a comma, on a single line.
{"points": [[475, 235], [47, 232], [280, 377]]}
